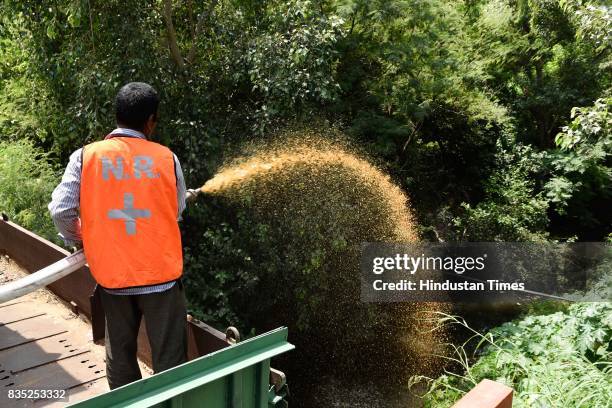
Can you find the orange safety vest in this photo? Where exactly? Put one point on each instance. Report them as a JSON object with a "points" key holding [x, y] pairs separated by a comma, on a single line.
{"points": [[129, 211]]}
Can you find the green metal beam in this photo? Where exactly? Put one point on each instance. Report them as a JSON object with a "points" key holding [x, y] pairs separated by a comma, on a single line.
{"points": [[236, 376]]}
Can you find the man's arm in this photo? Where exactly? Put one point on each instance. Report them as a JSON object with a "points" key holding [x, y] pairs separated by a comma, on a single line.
{"points": [[181, 188], [64, 205]]}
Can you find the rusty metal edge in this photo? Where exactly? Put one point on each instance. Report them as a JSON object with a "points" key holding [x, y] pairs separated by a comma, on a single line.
{"points": [[33, 252], [487, 394]]}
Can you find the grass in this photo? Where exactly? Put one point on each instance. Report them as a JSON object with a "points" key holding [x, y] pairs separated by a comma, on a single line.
{"points": [[561, 359]]}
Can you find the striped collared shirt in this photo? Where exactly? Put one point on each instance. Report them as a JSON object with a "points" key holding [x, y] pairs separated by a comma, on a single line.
{"points": [[64, 207]]}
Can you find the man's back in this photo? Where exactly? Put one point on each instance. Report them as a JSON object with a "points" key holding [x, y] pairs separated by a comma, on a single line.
{"points": [[128, 212], [130, 193]]}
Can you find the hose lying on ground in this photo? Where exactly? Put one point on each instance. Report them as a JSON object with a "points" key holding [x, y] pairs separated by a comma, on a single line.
{"points": [[43, 277]]}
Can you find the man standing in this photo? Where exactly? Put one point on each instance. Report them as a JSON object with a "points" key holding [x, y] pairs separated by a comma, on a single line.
{"points": [[130, 193]]}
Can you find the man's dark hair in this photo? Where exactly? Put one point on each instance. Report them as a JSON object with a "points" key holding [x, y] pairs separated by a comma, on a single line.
{"points": [[134, 103]]}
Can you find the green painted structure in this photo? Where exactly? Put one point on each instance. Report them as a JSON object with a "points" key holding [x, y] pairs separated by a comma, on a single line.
{"points": [[237, 376]]}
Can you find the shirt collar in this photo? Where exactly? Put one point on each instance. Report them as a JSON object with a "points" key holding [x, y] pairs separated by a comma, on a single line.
{"points": [[127, 132]]}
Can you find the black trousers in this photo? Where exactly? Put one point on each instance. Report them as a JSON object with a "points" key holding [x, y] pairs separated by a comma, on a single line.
{"points": [[166, 323]]}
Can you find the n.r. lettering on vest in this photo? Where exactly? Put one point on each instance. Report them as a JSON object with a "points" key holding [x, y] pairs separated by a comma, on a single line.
{"points": [[129, 214], [142, 164]]}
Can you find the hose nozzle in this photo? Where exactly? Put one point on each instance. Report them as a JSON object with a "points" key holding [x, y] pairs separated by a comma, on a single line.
{"points": [[192, 193]]}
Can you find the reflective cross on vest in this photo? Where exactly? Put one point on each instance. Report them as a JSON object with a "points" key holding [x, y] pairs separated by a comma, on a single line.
{"points": [[142, 165], [129, 213]]}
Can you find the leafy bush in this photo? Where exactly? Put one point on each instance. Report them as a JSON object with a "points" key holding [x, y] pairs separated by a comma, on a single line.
{"points": [[18, 109], [26, 181], [581, 167], [512, 210], [562, 359], [294, 62]]}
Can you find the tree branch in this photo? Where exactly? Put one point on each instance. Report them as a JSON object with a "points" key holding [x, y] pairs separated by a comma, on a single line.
{"points": [[171, 32], [204, 16]]}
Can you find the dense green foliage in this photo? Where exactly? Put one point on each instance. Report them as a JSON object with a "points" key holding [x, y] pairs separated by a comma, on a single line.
{"points": [[562, 359], [443, 92], [581, 174], [27, 179]]}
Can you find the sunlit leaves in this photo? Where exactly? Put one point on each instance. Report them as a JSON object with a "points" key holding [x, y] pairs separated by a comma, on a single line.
{"points": [[559, 359], [26, 180], [293, 63], [585, 147]]}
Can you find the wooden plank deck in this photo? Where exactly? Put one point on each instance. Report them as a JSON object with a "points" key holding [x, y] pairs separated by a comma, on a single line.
{"points": [[44, 346], [26, 330]]}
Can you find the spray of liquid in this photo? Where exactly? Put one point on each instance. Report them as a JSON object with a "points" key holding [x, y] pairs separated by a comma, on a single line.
{"points": [[326, 198], [320, 159]]}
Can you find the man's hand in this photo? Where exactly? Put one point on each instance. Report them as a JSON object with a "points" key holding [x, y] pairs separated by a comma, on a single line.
{"points": [[192, 193], [76, 246]]}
